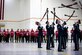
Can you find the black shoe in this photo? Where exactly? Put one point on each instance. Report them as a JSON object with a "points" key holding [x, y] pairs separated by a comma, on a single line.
{"points": [[60, 50], [76, 49], [48, 49], [52, 46], [64, 48], [39, 47]]}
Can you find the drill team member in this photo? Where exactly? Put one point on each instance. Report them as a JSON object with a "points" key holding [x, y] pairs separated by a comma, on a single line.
{"points": [[40, 35], [52, 34], [59, 28], [48, 35], [76, 36]]}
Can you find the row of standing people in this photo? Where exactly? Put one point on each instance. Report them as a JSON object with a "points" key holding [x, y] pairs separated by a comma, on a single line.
{"points": [[20, 35]]}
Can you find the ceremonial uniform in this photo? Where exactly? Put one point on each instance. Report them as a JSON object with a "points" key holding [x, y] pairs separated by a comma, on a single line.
{"points": [[64, 37], [81, 36], [40, 35], [76, 36], [59, 28], [52, 35], [48, 37]]}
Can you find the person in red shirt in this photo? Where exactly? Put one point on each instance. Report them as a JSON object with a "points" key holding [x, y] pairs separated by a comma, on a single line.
{"points": [[32, 35], [27, 36], [56, 35], [12, 35], [17, 33], [4, 35], [36, 35], [21, 36]]}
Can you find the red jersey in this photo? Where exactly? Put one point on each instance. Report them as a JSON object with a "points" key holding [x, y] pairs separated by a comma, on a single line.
{"points": [[44, 33], [27, 33], [24, 33], [11, 33], [56, 34], [21, 33], [5, 33], [17, 33], [72, 31], [32, 32], [36, 33]]}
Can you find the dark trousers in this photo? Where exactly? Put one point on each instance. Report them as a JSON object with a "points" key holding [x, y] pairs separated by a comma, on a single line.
{"points": [[76, 40], [20, 39], [35, 39], [17, 38], [48, 42], [0, 38], [23, 38], [27, 38], [80, 37], [39, 41], [52, 40], [11, 39], [7, 38], [64, 40], [32, 38], [59, 42]]}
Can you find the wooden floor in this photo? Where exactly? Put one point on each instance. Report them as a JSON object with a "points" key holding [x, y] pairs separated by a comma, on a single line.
{"points": [[31, 49]]}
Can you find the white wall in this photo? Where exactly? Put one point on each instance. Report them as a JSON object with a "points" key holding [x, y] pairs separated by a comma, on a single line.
{"points": [[16, 10], [25, 9], [14, 25], [12, 9], [25, 24], [35, 8]]}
